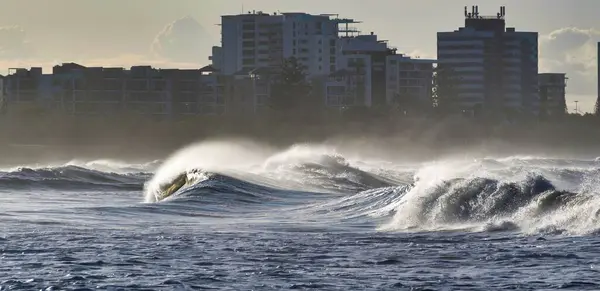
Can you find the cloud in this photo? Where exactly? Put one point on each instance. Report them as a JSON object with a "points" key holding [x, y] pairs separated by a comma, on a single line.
{"points": [[417, 53], [14, 44], [183, 40], [573, 51]]}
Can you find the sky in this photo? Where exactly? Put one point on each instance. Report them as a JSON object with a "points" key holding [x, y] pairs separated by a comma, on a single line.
{"points": [[180, 33]]}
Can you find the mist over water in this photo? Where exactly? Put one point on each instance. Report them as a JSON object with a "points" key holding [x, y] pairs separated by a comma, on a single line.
{"points": [[311, 215]]}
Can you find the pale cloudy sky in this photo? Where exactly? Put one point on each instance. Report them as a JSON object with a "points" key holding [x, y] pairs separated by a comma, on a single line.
{"points": [[180, 33]]}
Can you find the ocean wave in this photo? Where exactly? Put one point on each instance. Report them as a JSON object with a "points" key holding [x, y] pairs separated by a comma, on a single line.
{"points": [[532, 205], [69, 178], [301, 168], [316, 183], [326, 169]]}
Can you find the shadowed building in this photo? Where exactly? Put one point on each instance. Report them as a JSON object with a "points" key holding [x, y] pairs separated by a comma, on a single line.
{"points": [[552, 94], [2, 94], [597, 109], [489, 67], [409, 82], [79, 90]]}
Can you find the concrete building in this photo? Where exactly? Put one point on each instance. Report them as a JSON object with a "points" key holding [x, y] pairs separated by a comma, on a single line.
{"points": [[2, 95], [29, 89], [350, 86], [377, 51], [83, 90], [488, 66], [79, 90], [251, 91], [409, 82], [372, 74], [257, 40], [552, 88], [597, 109]]}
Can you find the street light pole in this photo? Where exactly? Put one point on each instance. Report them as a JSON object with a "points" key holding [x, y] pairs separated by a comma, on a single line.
{"points": [[576, 108]]}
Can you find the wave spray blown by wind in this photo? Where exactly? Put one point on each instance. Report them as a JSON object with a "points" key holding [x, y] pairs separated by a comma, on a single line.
{"points": [[527, 195]]}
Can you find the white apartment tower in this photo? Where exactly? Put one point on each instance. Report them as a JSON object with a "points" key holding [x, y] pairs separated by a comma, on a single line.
{"points": [[486, 66], [258, 39]]}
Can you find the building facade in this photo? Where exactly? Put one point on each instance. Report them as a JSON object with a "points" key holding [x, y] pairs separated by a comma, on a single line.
{"points": [[258, 40], [409, 82], [351, 86], [552, 88], [369, 46], [79, 90], [486, 66], [2, 95]]}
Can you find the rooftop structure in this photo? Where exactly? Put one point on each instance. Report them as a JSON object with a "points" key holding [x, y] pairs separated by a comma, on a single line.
{"points": [[485, 66]]}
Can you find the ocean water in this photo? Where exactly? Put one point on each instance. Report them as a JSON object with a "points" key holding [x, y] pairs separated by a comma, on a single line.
{"points": [[307, 217]]}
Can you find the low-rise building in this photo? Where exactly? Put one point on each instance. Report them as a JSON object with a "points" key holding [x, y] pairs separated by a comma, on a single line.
{"points": [[552, 88], [252, 89], [76, 89]]}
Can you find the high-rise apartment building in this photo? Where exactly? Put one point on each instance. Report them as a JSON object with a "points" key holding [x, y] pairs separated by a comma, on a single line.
{"points": [[258, 39], [486, 66]]}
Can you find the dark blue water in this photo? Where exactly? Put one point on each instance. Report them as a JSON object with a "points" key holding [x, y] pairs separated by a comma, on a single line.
{"points": [[322, 223]]}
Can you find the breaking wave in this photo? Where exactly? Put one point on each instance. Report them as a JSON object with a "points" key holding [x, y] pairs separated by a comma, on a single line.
{"points": [[307, 184]]}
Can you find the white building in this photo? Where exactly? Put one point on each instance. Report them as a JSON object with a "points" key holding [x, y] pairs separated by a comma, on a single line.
{"points": [[258, 39], [487, 66], [408, 81]]}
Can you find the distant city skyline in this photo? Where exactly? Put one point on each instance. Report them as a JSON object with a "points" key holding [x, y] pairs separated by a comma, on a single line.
{"points": [[181, 34]]}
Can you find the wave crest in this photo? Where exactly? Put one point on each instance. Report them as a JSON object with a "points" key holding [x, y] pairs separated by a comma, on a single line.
{"points": [[531, 205]]}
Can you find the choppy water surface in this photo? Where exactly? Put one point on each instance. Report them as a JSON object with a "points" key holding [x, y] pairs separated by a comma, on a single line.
{"points": [[304, 218]]}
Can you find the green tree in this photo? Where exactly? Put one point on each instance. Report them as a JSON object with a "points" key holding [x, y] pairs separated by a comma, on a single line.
{"points": [[291, 91]]}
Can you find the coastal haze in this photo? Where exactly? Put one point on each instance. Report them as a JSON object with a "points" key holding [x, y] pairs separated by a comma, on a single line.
{"points": [[324, 158]]}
